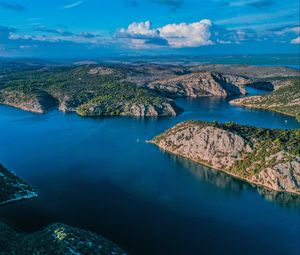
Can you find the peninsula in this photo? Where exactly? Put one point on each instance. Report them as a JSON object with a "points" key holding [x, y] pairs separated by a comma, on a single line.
{"points": [[265, 157]]}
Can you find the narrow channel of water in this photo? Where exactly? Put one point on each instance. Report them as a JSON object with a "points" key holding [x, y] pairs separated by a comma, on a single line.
{"points": [[92, 173]]}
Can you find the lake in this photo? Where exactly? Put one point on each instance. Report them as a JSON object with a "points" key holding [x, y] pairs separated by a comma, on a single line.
{"points": [[100, 175]]}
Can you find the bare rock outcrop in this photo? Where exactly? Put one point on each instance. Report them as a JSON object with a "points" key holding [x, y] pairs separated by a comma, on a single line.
{"points": [[33, 101], [101, 70], [282, 174], [200, 84], [210, 145], [255, 155], [131, 109]]}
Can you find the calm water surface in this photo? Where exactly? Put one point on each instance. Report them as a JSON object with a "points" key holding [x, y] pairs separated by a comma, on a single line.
{"points": [[92, 173]]}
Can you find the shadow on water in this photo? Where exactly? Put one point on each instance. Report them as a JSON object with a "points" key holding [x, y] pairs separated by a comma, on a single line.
{"points": [[232, 184]]}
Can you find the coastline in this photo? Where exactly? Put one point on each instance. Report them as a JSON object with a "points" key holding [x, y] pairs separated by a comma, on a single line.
{"points": [[224, 171]]}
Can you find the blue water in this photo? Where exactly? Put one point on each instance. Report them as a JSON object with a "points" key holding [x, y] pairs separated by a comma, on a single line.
{"points": [[92, 173]]}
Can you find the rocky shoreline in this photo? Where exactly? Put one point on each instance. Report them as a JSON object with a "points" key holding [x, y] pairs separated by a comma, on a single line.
{"points": [[135, 90], [264, 157]]}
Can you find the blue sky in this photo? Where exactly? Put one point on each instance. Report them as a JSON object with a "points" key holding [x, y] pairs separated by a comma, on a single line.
{"points": [[94, 28]]}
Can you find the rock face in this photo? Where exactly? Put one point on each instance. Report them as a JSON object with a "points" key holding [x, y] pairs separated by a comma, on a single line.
{"points": [[55, 239], [38, 102], [213, 146], [13, 188], [255, 155], [101, 70], [201, 84], [130, 109], [282, 175]]}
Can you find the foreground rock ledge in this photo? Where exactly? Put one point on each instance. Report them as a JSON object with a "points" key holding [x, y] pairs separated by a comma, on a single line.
{"points": [[13, 188], [55, 239], [266, 157]]}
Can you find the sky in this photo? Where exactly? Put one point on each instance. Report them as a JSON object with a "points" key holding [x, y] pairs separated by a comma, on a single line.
{"points": [[95, 28]]}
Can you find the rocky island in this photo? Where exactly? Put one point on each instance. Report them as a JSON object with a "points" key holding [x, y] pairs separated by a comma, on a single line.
{"points": [[264, 157]]}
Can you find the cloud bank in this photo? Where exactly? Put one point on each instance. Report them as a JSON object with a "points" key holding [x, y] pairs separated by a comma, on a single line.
{"points": [[173, 35], [143, 36]]}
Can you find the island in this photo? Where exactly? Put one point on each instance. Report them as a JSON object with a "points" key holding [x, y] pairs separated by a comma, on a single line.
{"points": [[266, 157]]}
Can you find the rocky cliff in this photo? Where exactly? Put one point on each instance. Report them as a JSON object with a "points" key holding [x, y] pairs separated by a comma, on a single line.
{"points": [[200, 84], [270, 158], [129, 108], [27, 100]]}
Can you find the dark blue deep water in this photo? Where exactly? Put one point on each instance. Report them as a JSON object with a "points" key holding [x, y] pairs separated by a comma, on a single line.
{"points": [[92, 173]]}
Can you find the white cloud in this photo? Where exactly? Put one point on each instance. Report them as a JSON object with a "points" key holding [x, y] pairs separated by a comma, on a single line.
{"points": [[72, 5], [296, 40], [187, 34], [142, 28], [141, 35], [58, 38]]}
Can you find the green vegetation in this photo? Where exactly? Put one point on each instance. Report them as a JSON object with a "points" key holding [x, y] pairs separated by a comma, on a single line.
{"points": [[113, 98], [55, 239], [285, 99], [12, 188], [89, 90]]}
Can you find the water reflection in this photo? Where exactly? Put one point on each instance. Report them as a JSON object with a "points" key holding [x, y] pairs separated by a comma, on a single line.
{"points": [[236, 186]]}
